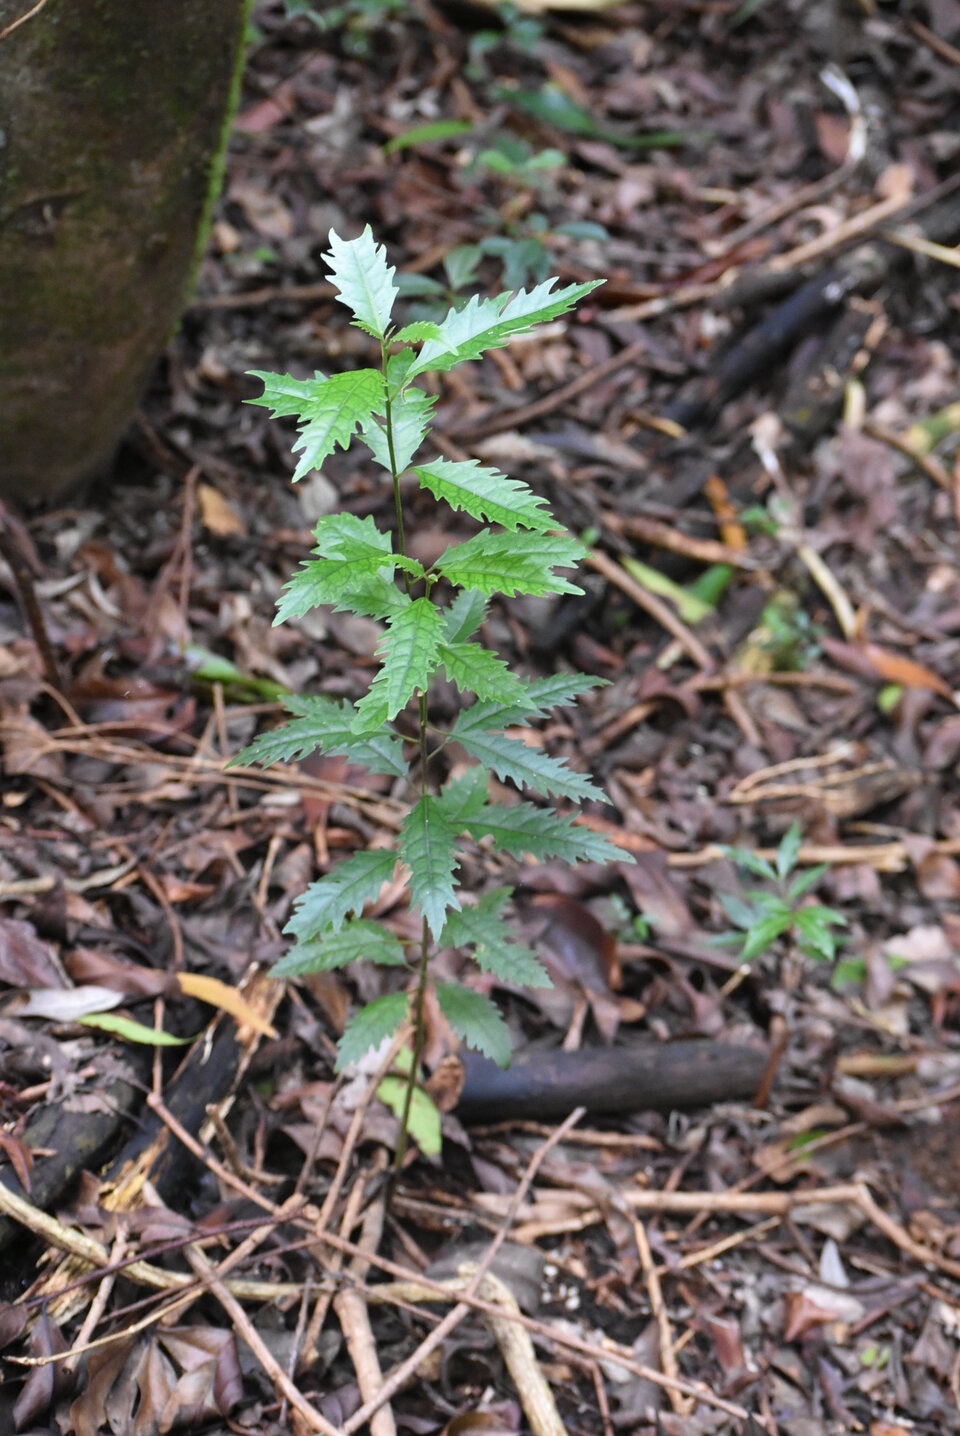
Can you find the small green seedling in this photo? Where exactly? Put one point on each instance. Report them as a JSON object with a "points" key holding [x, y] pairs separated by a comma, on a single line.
{"points": [[432, 613], [355, 19], [762, 917]]}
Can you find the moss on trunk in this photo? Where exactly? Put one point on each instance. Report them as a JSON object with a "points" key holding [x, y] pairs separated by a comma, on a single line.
{"points": [[113, 119]]}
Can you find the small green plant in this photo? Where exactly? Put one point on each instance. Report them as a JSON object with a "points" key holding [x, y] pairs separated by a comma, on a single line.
{"points": [[354, 19], [518, 31], [523, 256], [762, 917], [514, 160], [432, 613]]}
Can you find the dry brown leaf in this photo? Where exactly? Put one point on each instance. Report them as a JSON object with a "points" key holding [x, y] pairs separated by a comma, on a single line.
{"points": [[894, 668], [217, 515], [25, 959], [179, 891]]}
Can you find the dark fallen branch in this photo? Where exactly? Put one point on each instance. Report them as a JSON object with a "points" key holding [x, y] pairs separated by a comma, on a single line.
{"points": [[638, 1076], [79, 1140], [761, 348], [814, 396], [75, 1137]]}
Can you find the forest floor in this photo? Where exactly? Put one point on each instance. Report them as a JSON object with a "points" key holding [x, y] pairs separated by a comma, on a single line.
{"points": [[761, 408]]}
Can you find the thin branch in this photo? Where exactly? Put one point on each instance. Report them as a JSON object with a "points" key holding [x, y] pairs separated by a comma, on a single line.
{"points": [[15, 24]]}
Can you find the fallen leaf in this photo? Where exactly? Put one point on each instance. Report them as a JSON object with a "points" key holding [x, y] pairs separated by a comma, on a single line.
{"points": [[19, 1156], [25, 960], [228, 999], [179, 891], [817, 1306], [131, 1031], [69, 1004], [217, 515], [894, 668], [45, 1382]]}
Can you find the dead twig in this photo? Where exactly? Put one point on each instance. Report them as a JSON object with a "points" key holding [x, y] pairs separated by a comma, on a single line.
{"points": [[406, 1369], [666, 536], [926, 463], [681, 1404], [14, 547], [608, 1351], [15, 24], [353, 1312], [659, 611], [935, 42], [248, 1333]]}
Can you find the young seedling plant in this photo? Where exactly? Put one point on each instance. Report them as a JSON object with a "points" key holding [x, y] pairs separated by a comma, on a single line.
{"points": [[432, 615], [763, 917]]}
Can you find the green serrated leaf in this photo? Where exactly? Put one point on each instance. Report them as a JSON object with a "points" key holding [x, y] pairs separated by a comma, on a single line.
{"points": [[375, 595], [372, 1025], [417, 332], [322, 725], [475, 1019], [491, 323], [410, 413], [349, 539], [359, 269], [522, 562], [349, 551], [409, 654], [351, 884], [496, 950], [540, 697], [357, 941], [526, 829], [560, 690], [130, 1031], [511, 759], [464, 797], [330, 410], [285, 396], [427, 847], [464, 616], [477, 670], [486, 494]]}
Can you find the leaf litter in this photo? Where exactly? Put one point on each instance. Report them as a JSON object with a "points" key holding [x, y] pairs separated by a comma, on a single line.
{"points": [[792, 1266]]}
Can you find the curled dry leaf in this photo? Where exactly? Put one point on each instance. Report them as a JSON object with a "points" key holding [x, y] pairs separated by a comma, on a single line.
{"points": [[159, 1382], [25, 959], [44, 1383]]}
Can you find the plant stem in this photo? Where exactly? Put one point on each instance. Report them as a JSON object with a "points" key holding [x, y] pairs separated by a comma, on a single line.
{"points": [[423, 967], [419, 1039], [423, 970], [388, 420]]}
